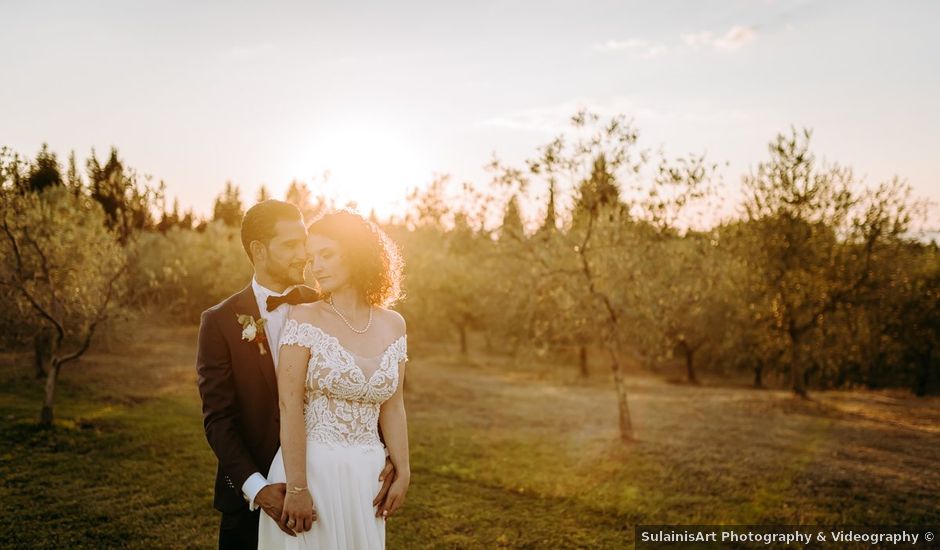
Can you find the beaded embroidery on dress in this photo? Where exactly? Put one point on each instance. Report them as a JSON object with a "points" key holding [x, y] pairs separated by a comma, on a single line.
{"points": [[343, 396], [342, 402]]}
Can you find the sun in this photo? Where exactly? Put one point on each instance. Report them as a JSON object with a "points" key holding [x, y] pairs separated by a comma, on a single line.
{"points": [[369, 165]]}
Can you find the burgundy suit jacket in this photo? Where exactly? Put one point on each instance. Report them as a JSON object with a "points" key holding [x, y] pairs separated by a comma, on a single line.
{"points": [[238, 386]]}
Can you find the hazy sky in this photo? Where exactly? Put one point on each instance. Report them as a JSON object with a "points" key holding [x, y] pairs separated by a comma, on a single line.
{"points": [[385, 94]]}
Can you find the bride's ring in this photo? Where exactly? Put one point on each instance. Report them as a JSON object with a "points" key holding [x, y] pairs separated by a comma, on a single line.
{"points": [[291, 522]]}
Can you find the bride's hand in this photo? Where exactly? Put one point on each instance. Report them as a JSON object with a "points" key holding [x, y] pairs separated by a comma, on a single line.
{"points": [[299, 513], [396, 495]]}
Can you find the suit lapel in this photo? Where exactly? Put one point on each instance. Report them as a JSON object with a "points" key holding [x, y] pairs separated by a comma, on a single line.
{"points": [[247, 304]]}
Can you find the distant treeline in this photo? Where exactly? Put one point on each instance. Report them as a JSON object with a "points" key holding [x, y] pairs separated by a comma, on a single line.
{"points": [[814, 280]]}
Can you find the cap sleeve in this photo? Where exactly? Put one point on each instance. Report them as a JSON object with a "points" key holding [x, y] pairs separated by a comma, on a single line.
{"points": [[297, 334], [401, 349]]}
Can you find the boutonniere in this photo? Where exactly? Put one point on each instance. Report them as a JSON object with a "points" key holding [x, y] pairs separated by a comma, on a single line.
{"points": [[253, 331]]}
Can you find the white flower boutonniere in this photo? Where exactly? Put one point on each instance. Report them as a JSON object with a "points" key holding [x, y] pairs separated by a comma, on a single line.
{"points": [[253, 331]]}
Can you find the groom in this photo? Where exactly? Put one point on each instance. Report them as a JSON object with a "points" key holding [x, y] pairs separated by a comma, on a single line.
{"points": [[235, 368]]}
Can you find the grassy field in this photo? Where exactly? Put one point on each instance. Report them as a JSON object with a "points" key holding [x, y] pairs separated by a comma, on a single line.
{"points": [[504, 455]]}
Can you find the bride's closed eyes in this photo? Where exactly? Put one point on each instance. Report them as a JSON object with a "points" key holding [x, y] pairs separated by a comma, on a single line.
{"points": [[324, 254]]}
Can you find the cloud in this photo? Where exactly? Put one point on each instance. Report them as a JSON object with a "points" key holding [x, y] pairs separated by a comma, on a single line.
{"points": [[733, 40], [642, 48], [698, 39], [736, 38], [556, 118]]}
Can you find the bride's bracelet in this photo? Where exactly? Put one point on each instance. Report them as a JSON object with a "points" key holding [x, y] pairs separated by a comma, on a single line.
{"points": [[296, 490]]}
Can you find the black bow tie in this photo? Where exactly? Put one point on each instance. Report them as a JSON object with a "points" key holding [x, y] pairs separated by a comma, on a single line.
{"points": [[293, 297]]}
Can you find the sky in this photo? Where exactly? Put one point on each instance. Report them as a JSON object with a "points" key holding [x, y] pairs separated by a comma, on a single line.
{"points": [[384, 95]]}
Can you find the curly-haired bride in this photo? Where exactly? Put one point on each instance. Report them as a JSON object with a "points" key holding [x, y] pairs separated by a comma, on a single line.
{"points": [[340, 373]]}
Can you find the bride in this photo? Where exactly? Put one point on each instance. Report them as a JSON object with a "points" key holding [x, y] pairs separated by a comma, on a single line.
{"points": [[340, 380]]}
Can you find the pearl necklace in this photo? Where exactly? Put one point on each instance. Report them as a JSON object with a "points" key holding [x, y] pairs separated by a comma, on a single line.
{"points": [[341, 316]]}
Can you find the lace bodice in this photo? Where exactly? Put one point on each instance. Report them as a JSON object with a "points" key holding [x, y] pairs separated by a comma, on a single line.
{"points": [[341, 401]]}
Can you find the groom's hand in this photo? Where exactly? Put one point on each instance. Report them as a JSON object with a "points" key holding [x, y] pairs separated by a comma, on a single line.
{"points": [[386, 476], [271, 500]]}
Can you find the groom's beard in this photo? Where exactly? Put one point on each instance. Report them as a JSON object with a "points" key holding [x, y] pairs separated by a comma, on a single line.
{"points": [[288, 275]]}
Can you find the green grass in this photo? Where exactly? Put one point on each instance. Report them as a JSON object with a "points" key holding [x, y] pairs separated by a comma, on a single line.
{"points": [[504, 455]]}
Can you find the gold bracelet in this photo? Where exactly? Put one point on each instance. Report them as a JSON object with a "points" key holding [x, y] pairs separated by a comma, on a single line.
{"points": [[296, 490]]}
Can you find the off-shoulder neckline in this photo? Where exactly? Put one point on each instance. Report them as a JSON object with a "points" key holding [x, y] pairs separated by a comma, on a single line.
{"points": [[354, 356]]}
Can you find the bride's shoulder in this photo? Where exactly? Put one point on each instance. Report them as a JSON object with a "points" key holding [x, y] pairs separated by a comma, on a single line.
{"points": [[306, 313], [394, 319]]}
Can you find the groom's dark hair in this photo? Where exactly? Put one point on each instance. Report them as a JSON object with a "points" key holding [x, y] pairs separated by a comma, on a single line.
{"points": [[259, 221]]}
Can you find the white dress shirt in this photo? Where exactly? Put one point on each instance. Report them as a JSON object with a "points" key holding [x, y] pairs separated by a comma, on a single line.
{"points": [[273, 323]]}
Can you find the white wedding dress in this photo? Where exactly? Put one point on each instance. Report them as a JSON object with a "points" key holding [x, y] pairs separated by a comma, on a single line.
{"points": [[344, 453]]}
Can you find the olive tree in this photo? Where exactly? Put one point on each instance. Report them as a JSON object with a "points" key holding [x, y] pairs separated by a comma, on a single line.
{"points": [[64, 266], [817, 237], [596, 260]]}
